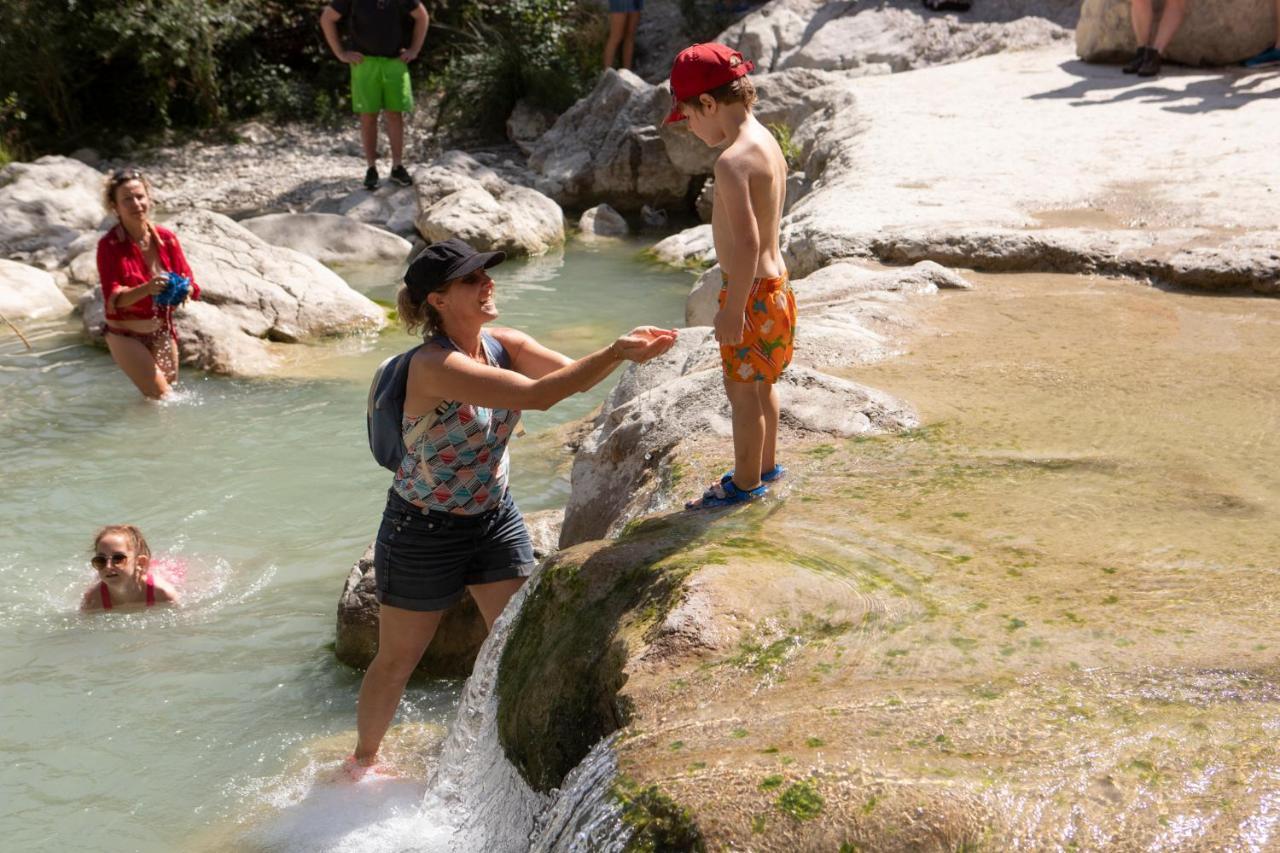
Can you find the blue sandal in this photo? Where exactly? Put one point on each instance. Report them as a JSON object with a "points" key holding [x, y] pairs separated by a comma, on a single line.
{"points": [[727, 494], [775, 473]]}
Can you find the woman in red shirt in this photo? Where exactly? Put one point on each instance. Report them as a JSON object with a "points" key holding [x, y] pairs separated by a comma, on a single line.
{"points": [[134, 259]]}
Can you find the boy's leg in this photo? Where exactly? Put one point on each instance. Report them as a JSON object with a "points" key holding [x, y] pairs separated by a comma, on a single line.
{"points": [[395, 136], [771, 410], [369, 138], [748, 432]]}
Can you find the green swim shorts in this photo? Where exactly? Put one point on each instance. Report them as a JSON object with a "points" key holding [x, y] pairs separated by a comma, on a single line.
{"points": [[380, 83]]}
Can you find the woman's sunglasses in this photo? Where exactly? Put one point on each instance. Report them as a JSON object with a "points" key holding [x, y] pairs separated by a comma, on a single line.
{"points": [[99, 561], [120, 176], [480, 276]]}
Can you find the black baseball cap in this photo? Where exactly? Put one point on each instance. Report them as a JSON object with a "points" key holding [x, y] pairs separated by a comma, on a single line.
{"points": [[442, 262]]}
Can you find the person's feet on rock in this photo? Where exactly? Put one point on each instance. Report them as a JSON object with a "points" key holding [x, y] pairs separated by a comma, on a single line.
{"points": [[1270, 56], [400, 176], [371, 178], [1132, 66], [1150, 66]]}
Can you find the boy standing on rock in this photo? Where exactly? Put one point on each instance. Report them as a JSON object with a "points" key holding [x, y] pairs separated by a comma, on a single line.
{"points": [[379, 70], [756, 323]]}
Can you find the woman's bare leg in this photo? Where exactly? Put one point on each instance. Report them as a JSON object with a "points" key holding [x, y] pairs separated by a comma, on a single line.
{"points": [[403, 635], [1170, 20], [139, 365], [1140, 14], [617, 27], [491, 598], [629, 39]]}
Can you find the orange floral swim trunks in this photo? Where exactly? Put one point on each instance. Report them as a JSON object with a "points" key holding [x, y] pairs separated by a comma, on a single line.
{"points": [[768, 333]]}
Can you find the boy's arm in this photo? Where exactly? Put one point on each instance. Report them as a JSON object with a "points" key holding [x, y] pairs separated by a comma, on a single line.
{"points": [[329, 26], [420, 23], [739, 262]]}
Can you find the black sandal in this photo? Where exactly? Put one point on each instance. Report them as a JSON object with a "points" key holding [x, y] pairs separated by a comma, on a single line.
{"points": [[947, 5]]}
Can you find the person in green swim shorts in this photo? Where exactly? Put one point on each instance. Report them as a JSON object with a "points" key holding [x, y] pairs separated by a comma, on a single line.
{"points": [[381, 38]]}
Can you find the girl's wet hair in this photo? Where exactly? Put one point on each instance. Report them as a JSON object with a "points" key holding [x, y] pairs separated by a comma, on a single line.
{"points": [[419, 315], [117, 179], [137, 541]]}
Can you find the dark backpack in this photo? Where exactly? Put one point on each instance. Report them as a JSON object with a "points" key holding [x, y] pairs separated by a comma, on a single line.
{"points": [[385, 411]]}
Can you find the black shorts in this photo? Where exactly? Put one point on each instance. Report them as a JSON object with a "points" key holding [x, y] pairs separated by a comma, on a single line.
{"points": [[423, 559]]}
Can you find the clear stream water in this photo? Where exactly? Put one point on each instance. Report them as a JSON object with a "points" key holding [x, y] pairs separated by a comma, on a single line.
{"points": [[178, 728]]}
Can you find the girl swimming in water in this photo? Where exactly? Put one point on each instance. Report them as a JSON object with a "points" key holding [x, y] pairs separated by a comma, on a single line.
{"points": [[122, 560]]}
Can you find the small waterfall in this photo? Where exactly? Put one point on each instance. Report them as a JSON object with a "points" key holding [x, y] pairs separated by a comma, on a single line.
{"points": [[475, 789], [584, 817]]}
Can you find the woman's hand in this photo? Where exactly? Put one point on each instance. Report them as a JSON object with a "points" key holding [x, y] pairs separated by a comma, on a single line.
{"points": [[154, 285], [644, 342], [351, 57]]}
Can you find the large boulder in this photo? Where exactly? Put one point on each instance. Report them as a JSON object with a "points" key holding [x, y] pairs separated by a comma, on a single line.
{"points": [[252, 292], [457, 196], [608, 148], [29, 293], [896, 35], [45, 206], [329, 238], [626, 466], [1221, 33], [453, 650]]}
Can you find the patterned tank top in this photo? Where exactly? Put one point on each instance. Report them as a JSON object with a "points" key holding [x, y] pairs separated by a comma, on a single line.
{"points": [[460, 462]]}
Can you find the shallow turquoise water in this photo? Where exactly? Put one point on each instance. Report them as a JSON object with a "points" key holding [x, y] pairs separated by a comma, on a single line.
{"points": [[148, 731]]}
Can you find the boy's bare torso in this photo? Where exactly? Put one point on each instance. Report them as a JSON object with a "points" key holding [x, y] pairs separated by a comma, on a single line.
{"points": [[756, 155]]}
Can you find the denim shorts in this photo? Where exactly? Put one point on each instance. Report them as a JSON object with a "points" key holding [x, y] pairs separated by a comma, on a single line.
{"points": [[423, 559], [617, 6]]}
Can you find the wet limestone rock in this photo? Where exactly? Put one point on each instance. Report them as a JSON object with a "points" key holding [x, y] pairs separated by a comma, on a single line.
{"points": [[608, 148], [45, 205], [678, 401], [602, 221], [457, 196], [1221, 33], [453, 650], [329, 238], [30, 293], [251, 293]]}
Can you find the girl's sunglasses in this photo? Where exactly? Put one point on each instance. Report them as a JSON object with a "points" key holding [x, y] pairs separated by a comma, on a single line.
{"points": [[99, 561], [480, 276]]}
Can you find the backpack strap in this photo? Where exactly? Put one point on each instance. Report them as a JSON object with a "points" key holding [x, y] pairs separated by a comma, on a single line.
{"points": [[496, 354]]}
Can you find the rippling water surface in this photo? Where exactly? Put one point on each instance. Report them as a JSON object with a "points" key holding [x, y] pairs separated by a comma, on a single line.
{"points": [[158, 730]]}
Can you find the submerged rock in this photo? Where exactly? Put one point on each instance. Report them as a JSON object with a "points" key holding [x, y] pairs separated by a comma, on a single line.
{"points": [[692, 247], [602, 221], [29, 293], [1221, 33], [329, 238], [252, 292]]}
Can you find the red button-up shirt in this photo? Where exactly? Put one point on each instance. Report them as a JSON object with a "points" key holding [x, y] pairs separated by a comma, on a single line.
{"points": [[121, 265]]}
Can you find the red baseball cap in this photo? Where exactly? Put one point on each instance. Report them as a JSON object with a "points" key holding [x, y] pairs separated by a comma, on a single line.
{"points": [[700, 69]]}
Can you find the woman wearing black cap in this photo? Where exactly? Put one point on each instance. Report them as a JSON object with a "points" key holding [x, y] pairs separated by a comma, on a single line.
{"points": [[450, 522]]}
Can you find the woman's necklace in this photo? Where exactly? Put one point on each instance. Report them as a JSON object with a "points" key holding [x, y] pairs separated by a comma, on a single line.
{"points": [[482, 356]]}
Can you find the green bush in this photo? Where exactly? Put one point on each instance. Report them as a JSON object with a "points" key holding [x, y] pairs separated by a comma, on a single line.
{"points": [[81, 72], [544, 50]]}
